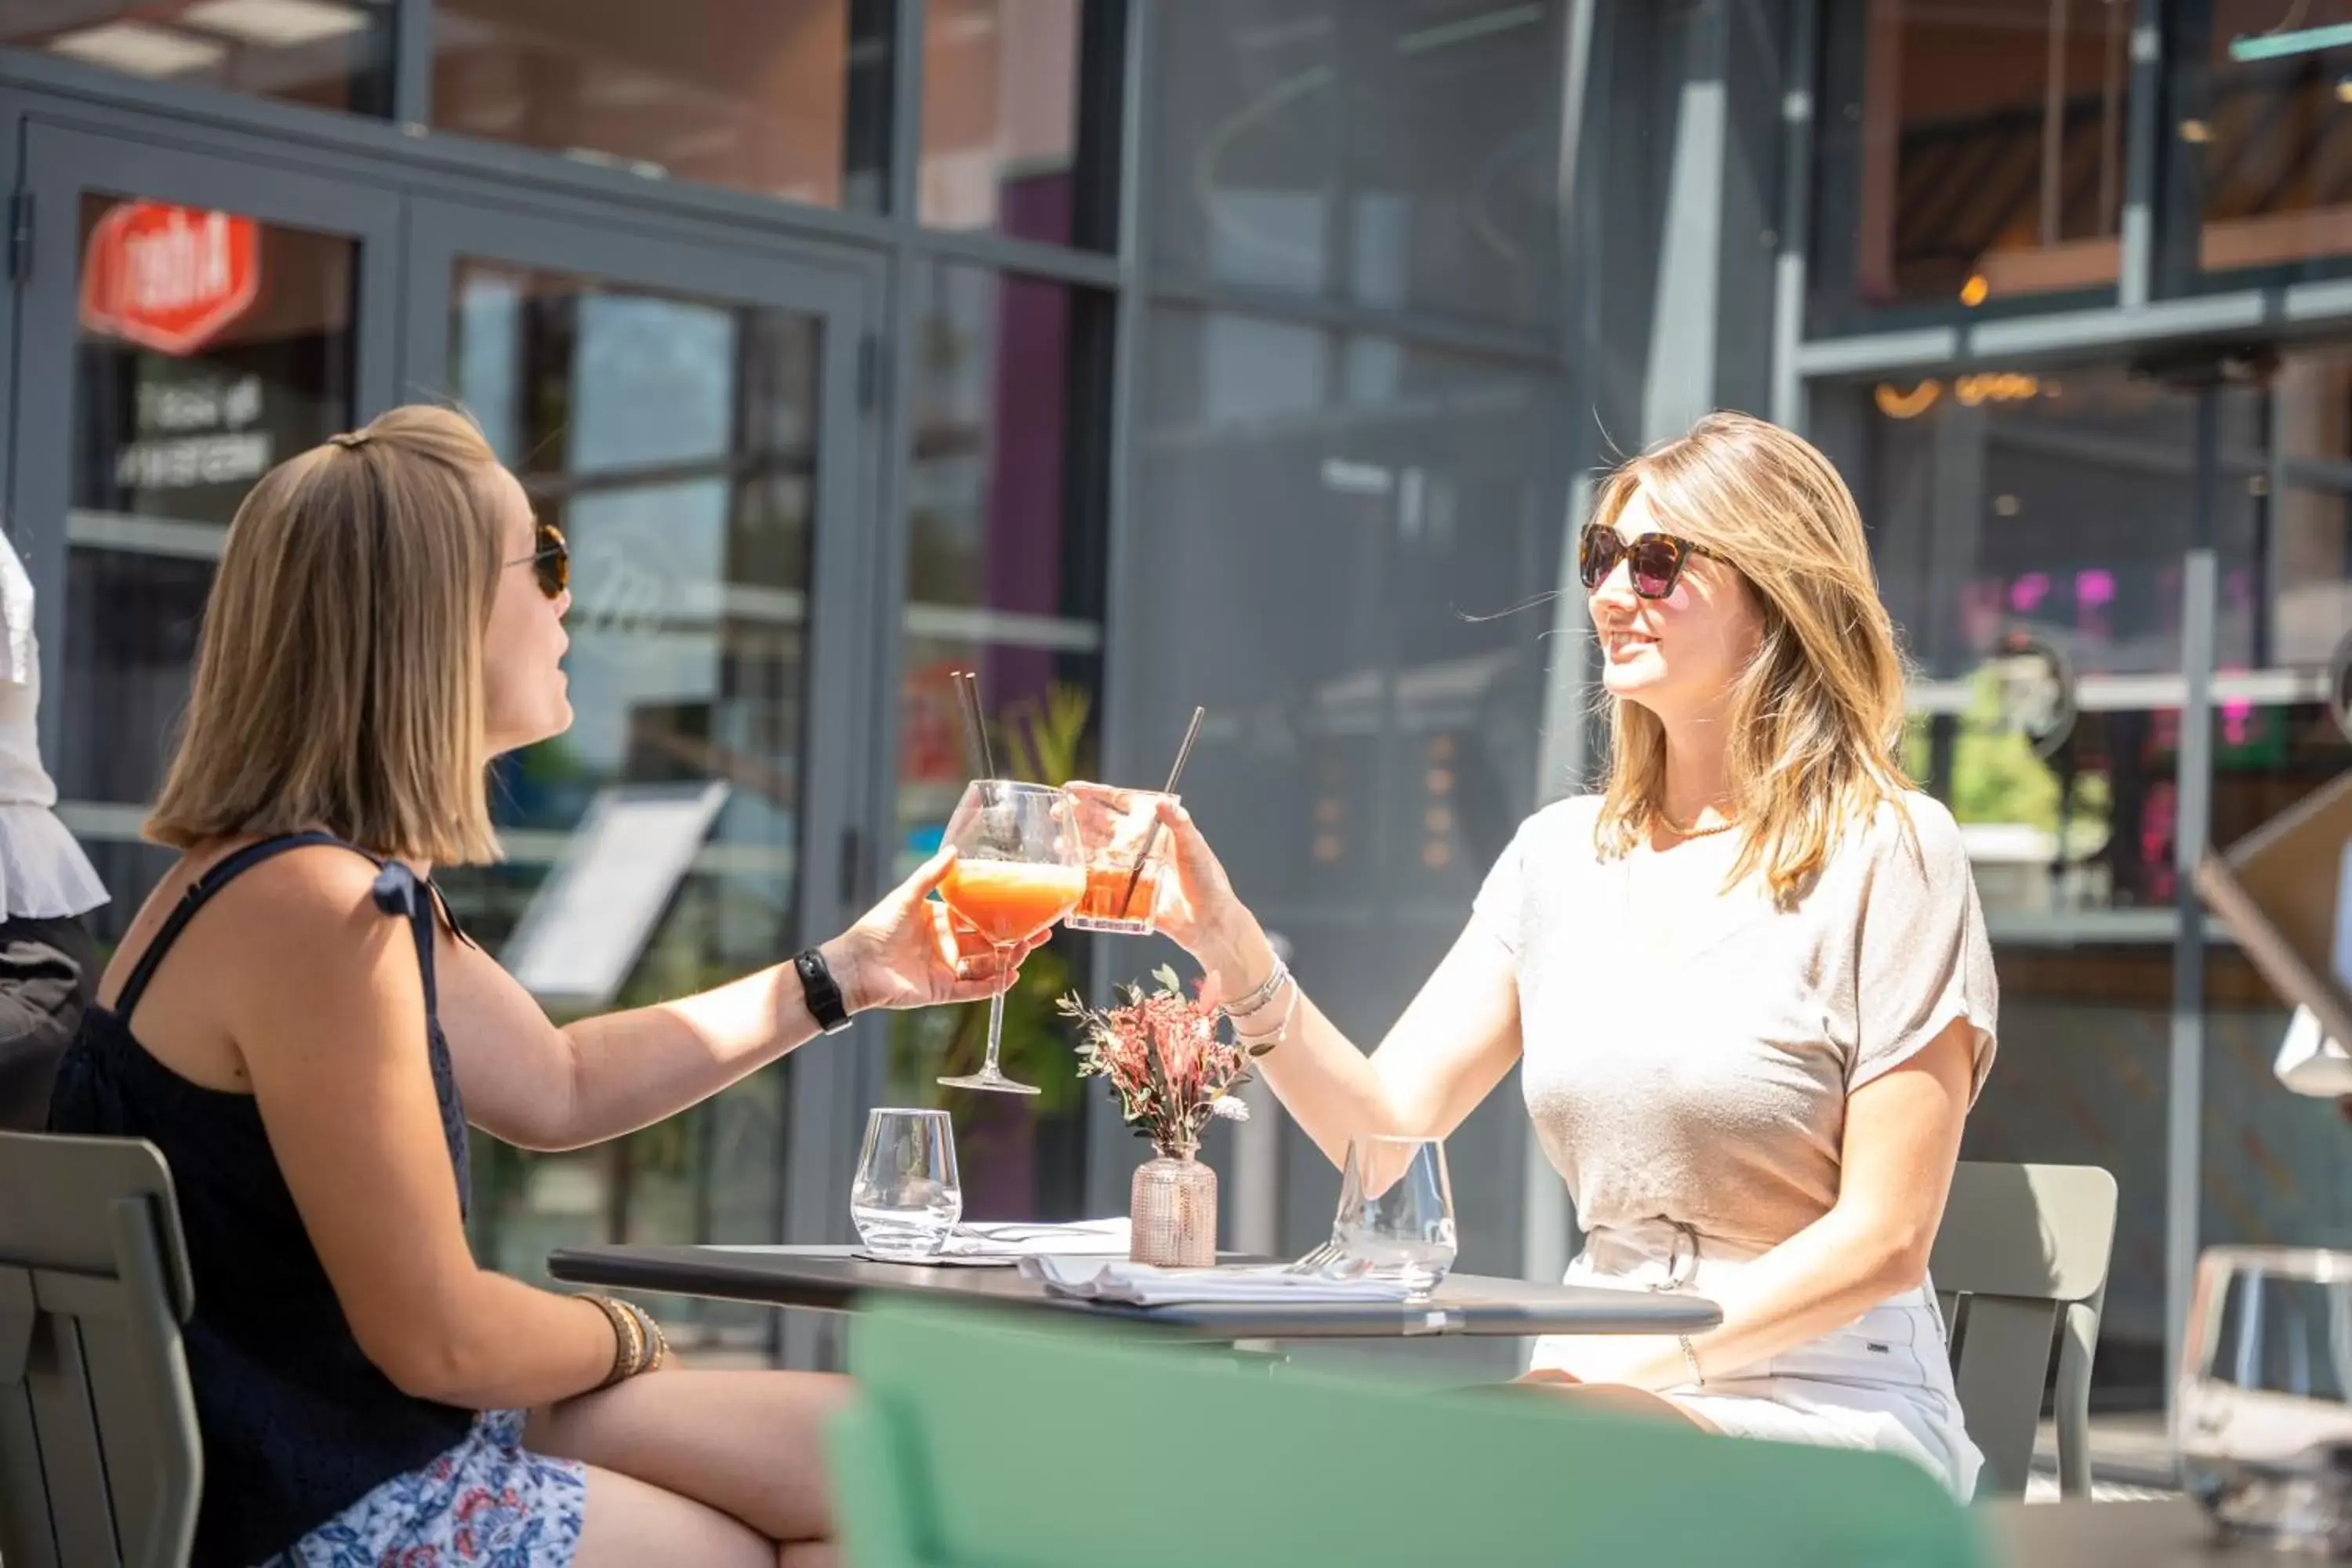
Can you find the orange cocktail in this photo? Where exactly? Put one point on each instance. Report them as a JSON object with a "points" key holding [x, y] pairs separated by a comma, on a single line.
{"points": [[1011, 901], [1119, 898]]}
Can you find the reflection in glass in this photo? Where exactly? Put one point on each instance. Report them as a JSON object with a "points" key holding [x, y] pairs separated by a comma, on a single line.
{"points": [[674, 439], [328, 54], [782, 97], [1006, 577], [1003, 145], [211, 347], [2055, 507], [2049, 513], [1967, 152], [1329, 524], [1382, 151], [2261, 134]]}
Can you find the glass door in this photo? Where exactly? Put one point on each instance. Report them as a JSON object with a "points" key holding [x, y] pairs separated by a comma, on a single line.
{"points": [[184, 327], [691, 418]]}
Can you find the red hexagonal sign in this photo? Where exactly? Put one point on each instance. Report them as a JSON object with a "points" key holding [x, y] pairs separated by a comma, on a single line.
{"points": [[169, 278]]}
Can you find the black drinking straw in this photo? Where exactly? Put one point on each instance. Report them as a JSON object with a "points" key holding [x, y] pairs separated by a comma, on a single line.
{"points": [[1143, 856], [976, 727]]}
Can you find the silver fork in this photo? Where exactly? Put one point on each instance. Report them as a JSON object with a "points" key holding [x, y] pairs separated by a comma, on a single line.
{"points": [[1318, 1260]]}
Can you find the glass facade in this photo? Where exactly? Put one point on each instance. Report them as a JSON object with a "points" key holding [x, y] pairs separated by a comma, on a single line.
{"points": [[1006, 146], [1391, 153], [2035, 518], [2259, 138], [327, 54], [674, 441], [1372, 744], [785, 98], [1006, 578], [1967, 152]]}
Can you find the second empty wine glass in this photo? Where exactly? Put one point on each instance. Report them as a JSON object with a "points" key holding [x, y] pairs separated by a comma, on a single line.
{"points": [[907, 1195], [1396, 1212], [1018, 870]]}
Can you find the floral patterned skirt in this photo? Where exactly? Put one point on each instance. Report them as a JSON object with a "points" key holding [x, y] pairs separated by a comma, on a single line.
{"points": [[489, 1502]]}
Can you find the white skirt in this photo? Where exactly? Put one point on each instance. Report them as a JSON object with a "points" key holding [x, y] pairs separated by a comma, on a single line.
{"points": [[1884, 1381]]}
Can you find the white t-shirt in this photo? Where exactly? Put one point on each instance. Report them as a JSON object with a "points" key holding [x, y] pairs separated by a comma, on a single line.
{"points": [[1689, 1058], [44, 875]]}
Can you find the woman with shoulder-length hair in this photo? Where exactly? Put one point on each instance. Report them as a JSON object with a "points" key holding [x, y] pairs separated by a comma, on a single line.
{"points": [[1749, 982], [294, 1020]]}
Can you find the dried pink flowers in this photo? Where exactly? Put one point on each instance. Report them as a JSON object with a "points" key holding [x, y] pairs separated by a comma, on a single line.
{"points": [[1161, 1054]]}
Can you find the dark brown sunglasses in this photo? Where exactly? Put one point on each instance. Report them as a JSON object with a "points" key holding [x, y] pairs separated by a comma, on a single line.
{"points": [[1655, 561], [550, 562]]}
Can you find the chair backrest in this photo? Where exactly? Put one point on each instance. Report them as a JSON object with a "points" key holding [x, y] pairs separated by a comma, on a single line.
{"points": [[2023, 1252], [978, 1440], [100, 1461]]}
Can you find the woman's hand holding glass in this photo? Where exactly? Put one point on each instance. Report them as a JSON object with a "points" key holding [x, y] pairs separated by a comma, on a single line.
{"points": [[904, 953]]}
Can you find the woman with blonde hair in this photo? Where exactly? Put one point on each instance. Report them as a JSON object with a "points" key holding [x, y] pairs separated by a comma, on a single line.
{"points": [[295, 1021], [1747, 983]]}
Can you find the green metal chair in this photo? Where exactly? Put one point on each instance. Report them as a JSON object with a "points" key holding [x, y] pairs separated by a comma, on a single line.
{"points": [[2022, 1257], [983, 1441], [100, 1459]]}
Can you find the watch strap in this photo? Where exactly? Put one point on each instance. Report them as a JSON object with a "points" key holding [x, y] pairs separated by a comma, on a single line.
{"points": [[822, 991]]}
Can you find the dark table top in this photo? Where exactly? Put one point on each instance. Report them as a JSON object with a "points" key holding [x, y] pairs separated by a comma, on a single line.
{"points": [[828, 1278], [2173, 1533]]}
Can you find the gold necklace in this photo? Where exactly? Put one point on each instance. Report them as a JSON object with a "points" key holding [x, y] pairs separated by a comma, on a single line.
{"points": [[1679, 831]]}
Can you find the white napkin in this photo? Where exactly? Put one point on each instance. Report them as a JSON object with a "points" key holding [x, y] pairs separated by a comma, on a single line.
{"points": [[1002, 1243], [1026, 1239], [1142, 1285]]}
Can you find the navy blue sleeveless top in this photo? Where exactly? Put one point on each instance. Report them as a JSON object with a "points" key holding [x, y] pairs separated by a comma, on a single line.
{"points": [[298, 1423]]}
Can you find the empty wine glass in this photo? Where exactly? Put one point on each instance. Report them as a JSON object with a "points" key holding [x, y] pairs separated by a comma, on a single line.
{"points": [[2261, 1413], [1396, 1212], [907, 1195], [1018, 870]]}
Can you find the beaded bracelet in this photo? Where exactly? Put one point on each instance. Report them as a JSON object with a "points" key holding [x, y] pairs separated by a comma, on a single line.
{"points": [[628, 1344], [639, 1344], [1255, 1002], [656, 1342]]}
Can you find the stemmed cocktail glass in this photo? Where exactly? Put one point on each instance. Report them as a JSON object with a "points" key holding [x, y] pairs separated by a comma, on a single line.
{"points": [[1018, 871]]}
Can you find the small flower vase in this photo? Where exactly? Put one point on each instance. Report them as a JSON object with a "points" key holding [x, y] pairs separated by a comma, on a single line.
{"points": [[1172, 1205]]}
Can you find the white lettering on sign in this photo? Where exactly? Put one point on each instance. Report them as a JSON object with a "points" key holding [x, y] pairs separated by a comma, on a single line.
{"points": [[192, 461], [178, 264], [199, 406]]}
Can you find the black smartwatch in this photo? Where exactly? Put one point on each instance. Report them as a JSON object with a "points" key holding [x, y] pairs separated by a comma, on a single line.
{"points": [[823, 993]]}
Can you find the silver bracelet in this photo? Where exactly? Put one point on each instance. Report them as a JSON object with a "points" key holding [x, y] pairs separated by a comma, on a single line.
{"points": [[1279, 1032], [1690, 1360], [1256, 1000]]}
